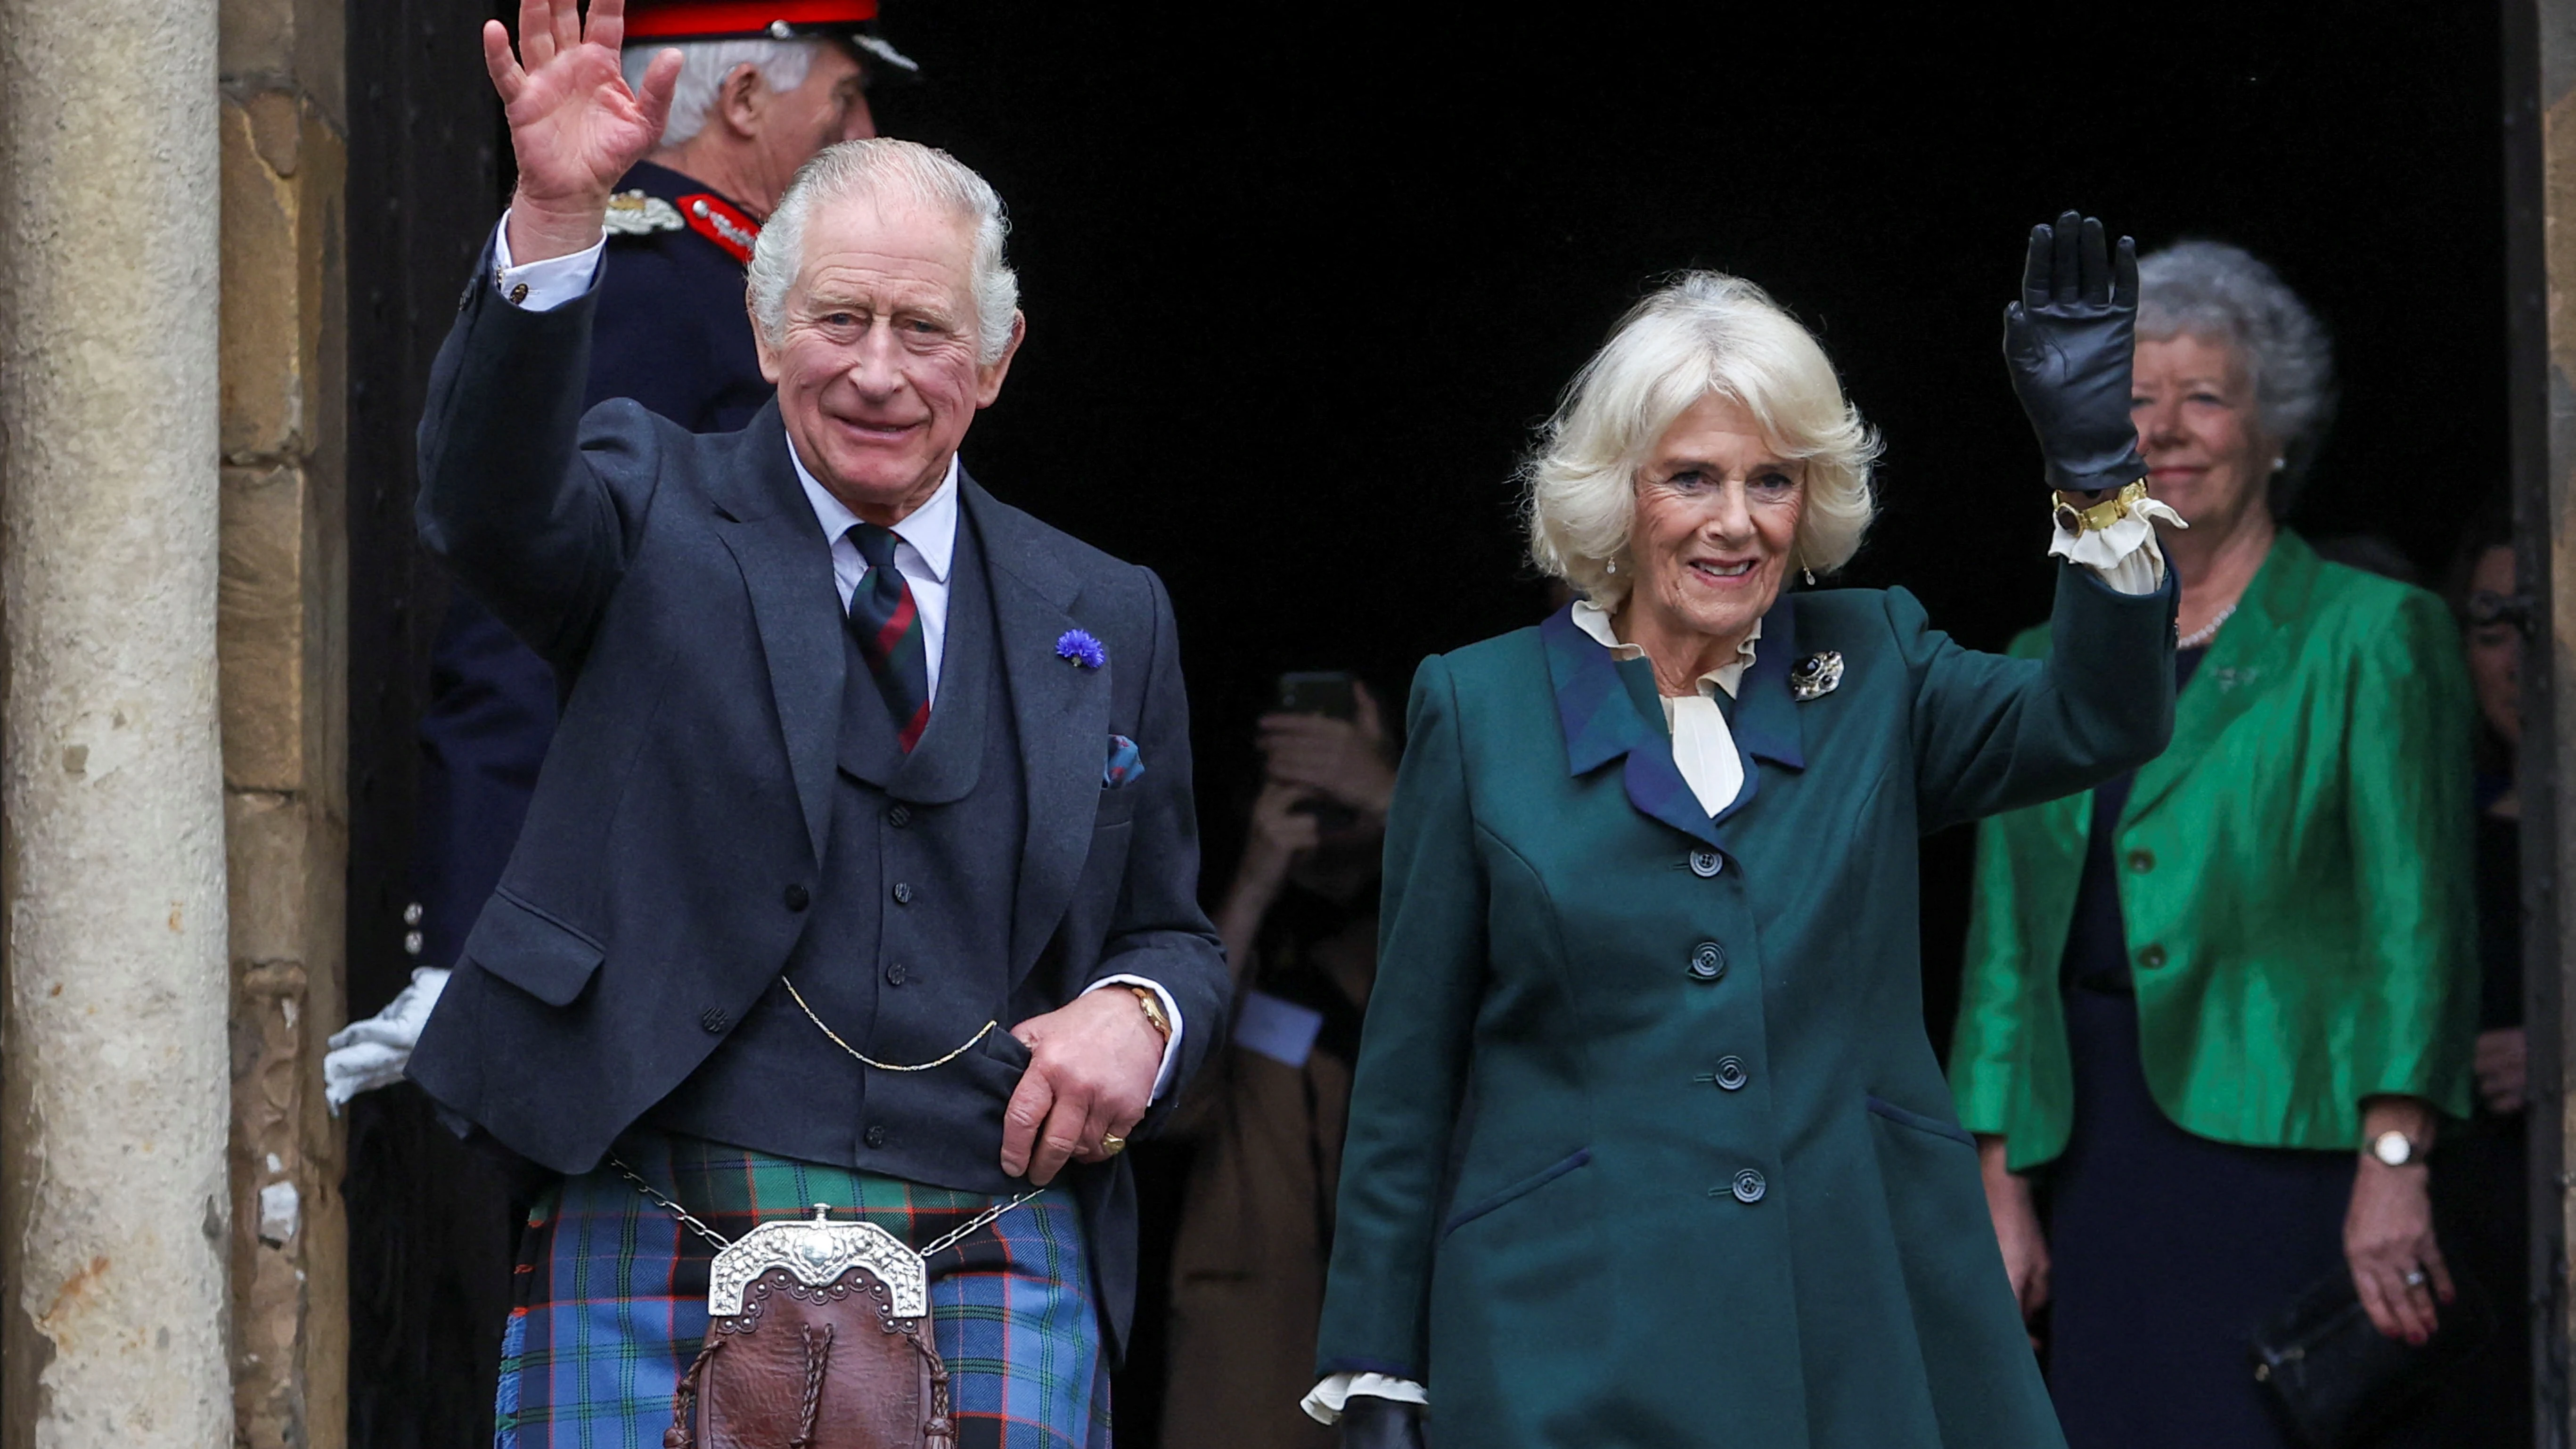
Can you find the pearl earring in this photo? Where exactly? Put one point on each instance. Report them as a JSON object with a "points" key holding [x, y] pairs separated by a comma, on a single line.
{"points": [[2280, 463], [1612, 566], [1811, 577]]}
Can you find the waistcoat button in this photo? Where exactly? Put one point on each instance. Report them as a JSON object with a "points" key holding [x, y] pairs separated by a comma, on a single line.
{"points": [[902, 894], [714, 1021], [1708, 961], [895, 974], [1749, 1186], [876, 1137], [1730, 1074], [796, 897], [1706, 863]]}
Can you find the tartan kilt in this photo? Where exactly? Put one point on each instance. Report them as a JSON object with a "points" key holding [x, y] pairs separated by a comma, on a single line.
{"points": [[611, 1299]]}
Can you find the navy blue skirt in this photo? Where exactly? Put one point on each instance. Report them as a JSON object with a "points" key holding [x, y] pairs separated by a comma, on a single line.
{"points": [[2167, 1251]]}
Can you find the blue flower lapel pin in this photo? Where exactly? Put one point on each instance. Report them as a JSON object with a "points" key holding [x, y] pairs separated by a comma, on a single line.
{"points": [[1078, 646], [1816, 676]]}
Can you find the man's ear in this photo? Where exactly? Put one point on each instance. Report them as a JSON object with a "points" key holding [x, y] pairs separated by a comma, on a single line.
{"points": [[988, 376], [760, 341], [741, 99]]}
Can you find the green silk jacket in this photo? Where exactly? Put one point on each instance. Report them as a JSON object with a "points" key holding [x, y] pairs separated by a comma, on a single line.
{"points": [[2294, 883], [1648, 1147]]}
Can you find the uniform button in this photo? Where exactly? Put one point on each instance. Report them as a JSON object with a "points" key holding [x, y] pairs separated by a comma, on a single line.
{"points": [[796, 897], [899, 816], [411, 914], [895, 974], [1706, 863], [1708, 961], [1749, 1186], [1731, 1076], [876, 1137], [714, 1020], [2152, 957], [902, 894], [2142, 861]]}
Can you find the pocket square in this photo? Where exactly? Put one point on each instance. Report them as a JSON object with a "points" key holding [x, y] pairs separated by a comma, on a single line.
{"points": [[1124, 766]]}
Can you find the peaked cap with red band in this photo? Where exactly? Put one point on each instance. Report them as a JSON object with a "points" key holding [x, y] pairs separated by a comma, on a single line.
{"points": [[744, 19]]}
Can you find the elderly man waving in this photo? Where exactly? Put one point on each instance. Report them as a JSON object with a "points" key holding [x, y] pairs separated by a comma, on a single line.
{"points": [[862, 872]]}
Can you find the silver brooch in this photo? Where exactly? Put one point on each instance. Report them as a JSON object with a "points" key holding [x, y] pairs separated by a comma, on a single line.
{"points": [[1817, 675]]}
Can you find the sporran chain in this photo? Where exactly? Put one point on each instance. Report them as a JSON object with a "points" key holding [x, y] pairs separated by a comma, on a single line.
{"points": [[689, 1220]]}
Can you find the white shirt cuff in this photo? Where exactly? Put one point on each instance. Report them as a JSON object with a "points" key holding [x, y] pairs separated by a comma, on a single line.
{"points": [[2126, 555], [550, 283], [1171, 1012], [1323, 1403]]}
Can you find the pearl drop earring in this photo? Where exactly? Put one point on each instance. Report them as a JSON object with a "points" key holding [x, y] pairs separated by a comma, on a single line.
{"points": [[1612, 566], [1811, 577]]}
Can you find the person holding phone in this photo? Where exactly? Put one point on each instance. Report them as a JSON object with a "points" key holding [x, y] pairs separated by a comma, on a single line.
{"points": [[1647, 1144], [1299, 924]]}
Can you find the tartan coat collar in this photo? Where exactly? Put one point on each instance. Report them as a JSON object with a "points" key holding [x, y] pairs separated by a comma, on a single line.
{"points": [[1608, 709]]}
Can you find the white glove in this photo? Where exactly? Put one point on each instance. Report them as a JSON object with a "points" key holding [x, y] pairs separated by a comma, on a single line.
{"points": [[372, 1053]]}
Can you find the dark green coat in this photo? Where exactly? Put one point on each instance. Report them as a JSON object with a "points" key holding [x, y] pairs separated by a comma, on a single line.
{"points": [[1708, 1188]]}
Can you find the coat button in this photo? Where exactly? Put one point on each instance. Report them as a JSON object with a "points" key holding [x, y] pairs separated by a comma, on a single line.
{"points": [[2142, 861], [895, 974], [714, 1020], [876, 1137], [899, 816], [1749, 1186], [1708, 961], [902, 894], [796, 897], [1706, 863], [1731, 1075], [2152, 957]]}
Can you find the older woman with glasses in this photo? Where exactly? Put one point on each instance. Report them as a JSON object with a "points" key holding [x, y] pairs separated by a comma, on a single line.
{"points": [[2220, 1004], [1647, 1146]]}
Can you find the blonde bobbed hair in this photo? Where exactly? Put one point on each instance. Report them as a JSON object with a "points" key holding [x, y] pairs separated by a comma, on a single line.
{"points": [[1700, 333]]}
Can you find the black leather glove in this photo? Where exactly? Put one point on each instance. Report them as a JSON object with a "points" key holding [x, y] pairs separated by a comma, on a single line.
{"points": [[1369, 1422], [2070, 342]]}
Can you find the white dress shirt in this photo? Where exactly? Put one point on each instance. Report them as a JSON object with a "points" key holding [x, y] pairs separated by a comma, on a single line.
{"points": [[926, 547]]}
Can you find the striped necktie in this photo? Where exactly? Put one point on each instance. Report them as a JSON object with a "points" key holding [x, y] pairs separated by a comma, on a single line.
{"points": [[886, 624]]}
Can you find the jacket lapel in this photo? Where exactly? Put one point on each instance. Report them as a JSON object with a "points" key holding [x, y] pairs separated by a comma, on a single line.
{"points": [[1607, 708], [1061, 711], [2241, 665], [1765, 722], [765, 521]]}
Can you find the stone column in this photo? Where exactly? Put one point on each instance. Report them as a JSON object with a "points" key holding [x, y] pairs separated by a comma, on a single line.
{"points": [[2540, 250], [282, 643], [114, 1216]]}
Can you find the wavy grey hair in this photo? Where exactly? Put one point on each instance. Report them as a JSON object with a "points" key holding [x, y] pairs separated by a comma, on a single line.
{"points": [[1700, 333], [878, 166], [2226, 294], [781, 64]]}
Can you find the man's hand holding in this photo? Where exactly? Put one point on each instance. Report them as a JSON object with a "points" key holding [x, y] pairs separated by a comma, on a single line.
{"points": [[1091, 1076], [574, 125], [1342, 760]]}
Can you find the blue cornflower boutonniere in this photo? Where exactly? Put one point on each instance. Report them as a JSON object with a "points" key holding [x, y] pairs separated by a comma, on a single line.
{"points": [[1078, 646]]}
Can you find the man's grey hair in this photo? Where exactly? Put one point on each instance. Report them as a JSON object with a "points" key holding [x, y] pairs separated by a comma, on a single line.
{"points": [[904, 170], [2226, 294], [782, 65]]}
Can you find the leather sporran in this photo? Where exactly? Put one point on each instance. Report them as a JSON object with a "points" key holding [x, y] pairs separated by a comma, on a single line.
{"points": [[818, 1338]]}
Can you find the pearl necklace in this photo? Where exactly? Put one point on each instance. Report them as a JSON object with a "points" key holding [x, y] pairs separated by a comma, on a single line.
{"points": [[2207, 632]]}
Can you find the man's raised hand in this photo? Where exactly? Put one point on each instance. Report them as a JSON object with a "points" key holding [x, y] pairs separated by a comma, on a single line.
{"points": [[574, 125]]}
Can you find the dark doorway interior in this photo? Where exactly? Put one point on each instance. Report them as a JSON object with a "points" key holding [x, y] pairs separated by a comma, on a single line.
{"points": [[1299, 282], [429, 1227]]}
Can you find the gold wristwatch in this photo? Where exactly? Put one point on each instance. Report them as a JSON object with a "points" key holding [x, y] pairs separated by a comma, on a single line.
{"points": [[2101, 515], [1153, 1005]]}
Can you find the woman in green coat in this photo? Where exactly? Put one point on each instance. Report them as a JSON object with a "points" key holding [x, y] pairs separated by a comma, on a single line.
{"points": [[1647, 1147], [2221, 1003]]}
